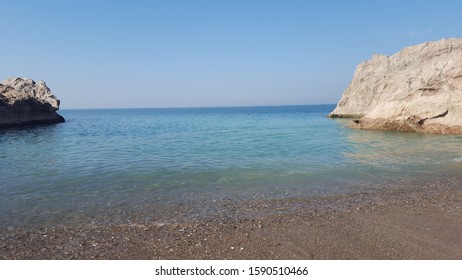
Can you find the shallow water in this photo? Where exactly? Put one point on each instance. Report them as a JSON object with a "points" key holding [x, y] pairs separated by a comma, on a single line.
{"points": [[102, 162]]}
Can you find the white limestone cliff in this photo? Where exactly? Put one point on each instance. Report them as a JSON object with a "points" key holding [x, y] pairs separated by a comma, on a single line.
{"points": [[418, 89], [24, 102]]}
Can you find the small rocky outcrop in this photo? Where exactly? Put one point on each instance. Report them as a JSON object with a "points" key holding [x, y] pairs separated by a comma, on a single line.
{"points": [[25, 102], [418, 89]]}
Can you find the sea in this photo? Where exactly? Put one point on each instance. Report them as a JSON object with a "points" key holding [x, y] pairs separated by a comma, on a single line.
{"points": [[110, 165]]}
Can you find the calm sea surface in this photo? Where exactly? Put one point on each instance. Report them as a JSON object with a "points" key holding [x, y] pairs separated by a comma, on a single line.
{"points": [[115, 162]]}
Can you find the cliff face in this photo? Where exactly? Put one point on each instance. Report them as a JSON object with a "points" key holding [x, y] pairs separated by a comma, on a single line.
{"points": [[24, 102], [418, 89]]}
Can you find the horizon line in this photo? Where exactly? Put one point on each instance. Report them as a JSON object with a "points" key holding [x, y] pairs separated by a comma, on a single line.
{"points": [[197, 107]]}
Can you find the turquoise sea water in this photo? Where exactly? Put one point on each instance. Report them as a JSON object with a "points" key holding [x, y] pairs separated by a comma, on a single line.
{"points": [[102, 162]]}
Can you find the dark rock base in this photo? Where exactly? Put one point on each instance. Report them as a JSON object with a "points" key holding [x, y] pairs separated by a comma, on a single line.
{"points": [[53, 118]]}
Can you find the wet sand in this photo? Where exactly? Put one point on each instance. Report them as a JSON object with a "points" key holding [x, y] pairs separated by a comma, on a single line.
{"points": [[421, 222]]}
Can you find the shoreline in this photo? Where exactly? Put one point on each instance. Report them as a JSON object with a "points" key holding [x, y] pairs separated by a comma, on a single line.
{"points": [[420, 222]]}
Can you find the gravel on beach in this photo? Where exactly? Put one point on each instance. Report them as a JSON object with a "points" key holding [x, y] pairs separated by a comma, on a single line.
{"points": [[413, 223]]}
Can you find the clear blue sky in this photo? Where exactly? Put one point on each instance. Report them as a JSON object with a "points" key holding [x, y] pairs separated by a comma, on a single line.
{"points": [[115, 54]]}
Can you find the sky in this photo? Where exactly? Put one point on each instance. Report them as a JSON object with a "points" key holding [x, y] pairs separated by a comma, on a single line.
{"points": [[208, 53]]}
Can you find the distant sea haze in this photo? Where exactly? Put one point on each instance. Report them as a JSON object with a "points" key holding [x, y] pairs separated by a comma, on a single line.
{"points": [[102, 165]]}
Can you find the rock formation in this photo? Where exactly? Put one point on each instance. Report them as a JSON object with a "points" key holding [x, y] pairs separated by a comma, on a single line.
{"points": [[418, 89], [24, 102]]}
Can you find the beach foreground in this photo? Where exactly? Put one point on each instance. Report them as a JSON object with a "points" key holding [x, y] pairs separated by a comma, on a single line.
{"points": [[421, 222]]}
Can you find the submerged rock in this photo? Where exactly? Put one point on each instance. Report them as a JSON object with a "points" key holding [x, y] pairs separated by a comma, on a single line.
{"points": [[418, 89], [25, 102]]}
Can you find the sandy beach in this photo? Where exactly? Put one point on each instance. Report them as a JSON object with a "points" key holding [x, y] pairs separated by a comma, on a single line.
{"points": [[421, 222]]}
